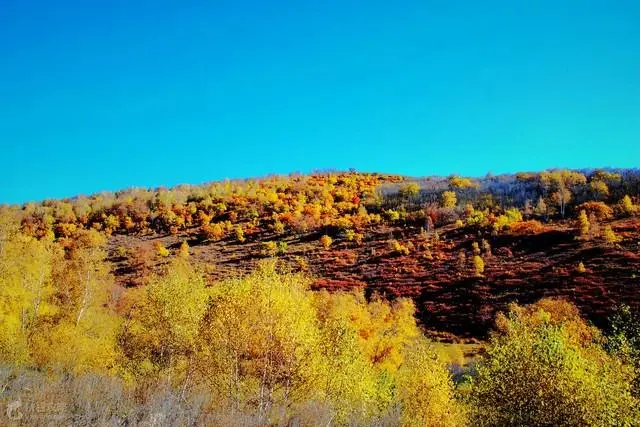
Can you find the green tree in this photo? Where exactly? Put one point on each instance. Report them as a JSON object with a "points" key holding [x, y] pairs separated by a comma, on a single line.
{"points": [[545, 367]]}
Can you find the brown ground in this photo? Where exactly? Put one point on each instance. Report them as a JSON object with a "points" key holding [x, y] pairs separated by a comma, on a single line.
{"points": [[451, 302]]}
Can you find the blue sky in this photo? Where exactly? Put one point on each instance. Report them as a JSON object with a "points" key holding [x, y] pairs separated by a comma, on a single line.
{"points": [[108, 95]]}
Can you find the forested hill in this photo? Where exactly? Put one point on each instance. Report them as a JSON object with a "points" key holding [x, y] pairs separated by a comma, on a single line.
{"points": [[462, 248]]}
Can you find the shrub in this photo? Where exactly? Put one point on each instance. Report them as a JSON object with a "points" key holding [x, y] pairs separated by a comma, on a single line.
{"points": [[278, 227], [599, 209], [268, 248], [398, 248], [391, 215], [212, 231], [477, 218], [510, 217], [326, 241], [475, 247], [358, 238], [610, 237], [122, 251], [239, 232], [349, 235], [580, 269], [65, 229], [161, 250], [446, 216], [478, 265], [527, 227], [301, 263], [183, 252], [282, 248]]}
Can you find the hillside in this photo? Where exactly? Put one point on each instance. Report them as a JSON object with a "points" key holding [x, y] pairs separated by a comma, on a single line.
{"points": [[335, 298], [391, 235]]}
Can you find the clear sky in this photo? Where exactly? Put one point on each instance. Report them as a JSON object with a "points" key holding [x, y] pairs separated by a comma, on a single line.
{"points": [[105, 95]]}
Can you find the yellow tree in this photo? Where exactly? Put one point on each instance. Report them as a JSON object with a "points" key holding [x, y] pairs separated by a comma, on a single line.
{"points": [[449, 199], [561, 184], [409, 190], [610, 237], [81, 336], [83, 277], [160, 334], [326, 241], [25, 290], [259, 342], [627, 206], [425, 390], [599, 190], [583, 223], [478, 265]]}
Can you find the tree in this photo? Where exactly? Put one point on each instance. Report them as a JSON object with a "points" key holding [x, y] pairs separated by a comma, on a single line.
{"points": [[161, 334], [183, 252], [409, 190], [26, 289], [265, 356], [161, 250], [456, 181], [365, 345], [623, 339], [449, 199], [239, 233], [54, 304], [544, 366], [425, 390], [478, 265], [462, 260], [599, 190], [561, 183], [610, 237], [326, 241], [627, 206], [541, 208], [82, 278], [562, 196], [583, 223]]}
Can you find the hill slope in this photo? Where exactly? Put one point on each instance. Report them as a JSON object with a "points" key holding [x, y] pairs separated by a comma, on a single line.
{"points": [[391, 235]]}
